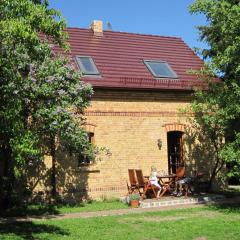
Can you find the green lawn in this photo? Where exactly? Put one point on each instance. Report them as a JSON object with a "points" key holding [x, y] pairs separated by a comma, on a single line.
{"points": [[44, 209], [196, 223], [93, 206]]}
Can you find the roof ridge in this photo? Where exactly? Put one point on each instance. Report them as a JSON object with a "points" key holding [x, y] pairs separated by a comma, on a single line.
{"points": [[132, 33]]}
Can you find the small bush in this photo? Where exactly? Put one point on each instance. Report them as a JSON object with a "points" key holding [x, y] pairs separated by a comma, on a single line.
{"points": [[134, 196]]}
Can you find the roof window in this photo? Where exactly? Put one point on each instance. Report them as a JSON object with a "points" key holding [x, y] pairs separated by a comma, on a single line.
{"points": [[87, 65], [160, 69]]}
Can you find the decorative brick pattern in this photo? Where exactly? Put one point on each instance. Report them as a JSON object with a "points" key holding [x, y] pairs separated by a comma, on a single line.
{"points": [[174, 127], [98, 189], [104, 189], [89, 127], [134, 114]]}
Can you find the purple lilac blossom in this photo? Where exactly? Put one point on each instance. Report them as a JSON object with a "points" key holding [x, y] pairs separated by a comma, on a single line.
{"points": [[61, 92], [50, 79]]}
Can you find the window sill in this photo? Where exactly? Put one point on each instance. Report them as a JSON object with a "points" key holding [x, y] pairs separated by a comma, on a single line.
{"points": [[88, 168]]}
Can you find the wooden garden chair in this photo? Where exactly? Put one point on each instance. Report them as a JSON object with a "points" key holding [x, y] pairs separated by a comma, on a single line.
{"points": [[180, 173], [145, 184], [133, 187], [188, 185], [190, 188], [141, 181]]}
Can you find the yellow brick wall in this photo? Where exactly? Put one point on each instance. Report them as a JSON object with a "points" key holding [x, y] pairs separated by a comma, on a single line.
{"points": [[129, 124]]}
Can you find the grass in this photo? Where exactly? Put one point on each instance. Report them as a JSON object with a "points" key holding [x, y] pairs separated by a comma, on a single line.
{"points": [[93, 206], [211, 223], [44, 209]]}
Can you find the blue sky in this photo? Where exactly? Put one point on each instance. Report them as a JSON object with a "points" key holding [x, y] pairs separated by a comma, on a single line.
{"points": [[160, 17]]}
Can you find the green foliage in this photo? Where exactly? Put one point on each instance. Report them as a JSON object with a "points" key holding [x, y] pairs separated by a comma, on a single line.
{"points": [[41, 95], [25, 151], [222, 33], [217, 110], [134, 196]]}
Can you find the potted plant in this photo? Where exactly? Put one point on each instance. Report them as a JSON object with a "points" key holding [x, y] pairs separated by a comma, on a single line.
{"points": [[134, 200]]}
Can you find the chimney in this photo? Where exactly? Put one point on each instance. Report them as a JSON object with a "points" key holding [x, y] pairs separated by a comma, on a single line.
{"points": [[97, 27]]}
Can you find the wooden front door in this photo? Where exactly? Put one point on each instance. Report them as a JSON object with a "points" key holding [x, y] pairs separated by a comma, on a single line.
{"points": [[175, 150]]}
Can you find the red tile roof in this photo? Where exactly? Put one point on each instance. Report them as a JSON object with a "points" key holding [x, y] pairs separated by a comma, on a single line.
{"points": [[119, 58]]}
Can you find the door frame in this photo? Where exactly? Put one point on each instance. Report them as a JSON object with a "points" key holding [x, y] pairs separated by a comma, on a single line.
{"points": [[175, 151]]}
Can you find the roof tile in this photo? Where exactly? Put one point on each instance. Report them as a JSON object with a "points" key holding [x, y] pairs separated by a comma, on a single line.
{"points": [[119, 58]]}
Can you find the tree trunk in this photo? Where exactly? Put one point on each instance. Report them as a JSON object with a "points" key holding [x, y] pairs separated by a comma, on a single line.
{"points": [[1, 191], [7, 179], [209, 186], [216, 168], [53, 173]]}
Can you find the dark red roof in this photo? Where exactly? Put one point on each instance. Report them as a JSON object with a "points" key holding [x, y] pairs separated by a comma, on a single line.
{"points": [[119, 58]]}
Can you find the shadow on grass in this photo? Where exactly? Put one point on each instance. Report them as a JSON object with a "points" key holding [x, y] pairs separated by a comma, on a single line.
{"points": [[226, 207], [30, 210], [29, 230]]}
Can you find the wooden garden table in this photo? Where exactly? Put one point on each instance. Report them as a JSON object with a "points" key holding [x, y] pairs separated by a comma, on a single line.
{"points": [[167, 185]]}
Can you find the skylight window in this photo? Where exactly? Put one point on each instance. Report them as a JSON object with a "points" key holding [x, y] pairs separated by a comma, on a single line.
{"points": [[160, 69], [87, 65]]}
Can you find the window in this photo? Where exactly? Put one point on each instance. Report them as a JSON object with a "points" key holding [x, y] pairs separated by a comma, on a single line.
{"points": [[160, 69], [84, 160], [91, 137], [87, 65]]}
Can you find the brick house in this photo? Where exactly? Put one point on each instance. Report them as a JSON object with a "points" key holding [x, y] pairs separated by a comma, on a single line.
{"points": [[140, 83]]}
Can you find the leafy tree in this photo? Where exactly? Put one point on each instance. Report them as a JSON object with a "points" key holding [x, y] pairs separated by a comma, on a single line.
{"points": [[217, 110], [40, 93]]}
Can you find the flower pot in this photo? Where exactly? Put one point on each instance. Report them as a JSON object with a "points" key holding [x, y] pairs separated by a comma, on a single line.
{"points": [[134, 203]]}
